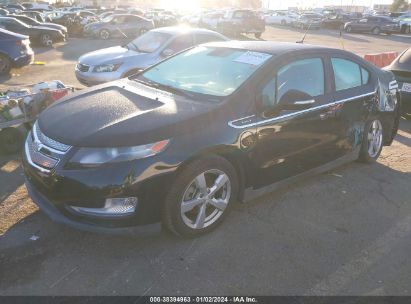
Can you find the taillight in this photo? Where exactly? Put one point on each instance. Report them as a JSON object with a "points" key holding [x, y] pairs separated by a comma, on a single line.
{"points": [[19, 43]]}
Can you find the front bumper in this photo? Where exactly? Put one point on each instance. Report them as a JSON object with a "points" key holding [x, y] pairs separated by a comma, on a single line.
{"points": [[56, 215], [91, 78], [23, 60], [58, 190]]}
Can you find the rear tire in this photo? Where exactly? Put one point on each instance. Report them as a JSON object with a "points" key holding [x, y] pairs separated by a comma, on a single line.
{"points": [[258, 35], [407, 30], [372, 141], [11, 140], [195, 184], [376, 31], [5, 64], [283, 22]]}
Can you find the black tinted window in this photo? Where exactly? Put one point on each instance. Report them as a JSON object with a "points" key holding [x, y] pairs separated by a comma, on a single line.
{"points": [[347, 74], [181, 43], [305, 76]]}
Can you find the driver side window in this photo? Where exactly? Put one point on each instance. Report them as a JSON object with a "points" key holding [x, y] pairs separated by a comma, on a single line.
{"points": [[305, 77]]}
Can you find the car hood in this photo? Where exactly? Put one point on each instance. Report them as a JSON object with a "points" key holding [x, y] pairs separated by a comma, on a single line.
{"points": [[44, 28], [122, 113], [54, 26], [113, 54]]}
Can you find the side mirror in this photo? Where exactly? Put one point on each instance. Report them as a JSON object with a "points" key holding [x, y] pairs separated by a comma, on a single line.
{"points": [[295, 100], [167, 52]]}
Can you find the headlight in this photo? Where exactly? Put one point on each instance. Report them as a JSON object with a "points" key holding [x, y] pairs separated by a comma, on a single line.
{"points": [[104, 68], [98, 156]]}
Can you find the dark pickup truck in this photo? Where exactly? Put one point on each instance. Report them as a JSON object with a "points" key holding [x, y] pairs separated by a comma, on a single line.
{"points": [[238, 22]]}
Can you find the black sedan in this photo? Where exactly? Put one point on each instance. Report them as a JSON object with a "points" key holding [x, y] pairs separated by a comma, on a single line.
{"points": [[183, 140], [401, 67], [33, 22], [374, 25], [38, 34]]}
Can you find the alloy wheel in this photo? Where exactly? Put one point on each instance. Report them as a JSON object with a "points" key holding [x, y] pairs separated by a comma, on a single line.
{"points": [[104, 34], [205, 199], [374, 138], [45, 39]]}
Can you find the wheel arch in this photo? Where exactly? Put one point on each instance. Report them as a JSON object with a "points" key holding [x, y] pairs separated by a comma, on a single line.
{"points": [[228, 153]]}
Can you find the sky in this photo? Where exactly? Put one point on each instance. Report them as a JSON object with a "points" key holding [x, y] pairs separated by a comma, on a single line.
{"points": [[321, 3]]}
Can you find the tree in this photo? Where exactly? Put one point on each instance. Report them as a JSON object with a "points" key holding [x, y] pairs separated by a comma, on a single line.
{"points": [[399, 5]]}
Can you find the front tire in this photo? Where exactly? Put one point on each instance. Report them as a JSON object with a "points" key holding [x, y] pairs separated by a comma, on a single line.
{"points": [[372, 142], [104, 34], [200, 197], [5, 64], [46, 40], [348, 29], [376, 31], [258, 35]]}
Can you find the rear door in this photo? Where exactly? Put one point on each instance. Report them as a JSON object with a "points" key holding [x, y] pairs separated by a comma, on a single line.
{"points": [[354, 93]]}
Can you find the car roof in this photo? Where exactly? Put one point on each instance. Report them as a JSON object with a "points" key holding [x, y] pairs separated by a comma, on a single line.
{"points": [[183, 29], [16, 35], [269, 47]]}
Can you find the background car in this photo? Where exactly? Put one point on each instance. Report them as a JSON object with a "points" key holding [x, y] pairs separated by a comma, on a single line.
{"points": [[401, 68], [15, 51], [336, 21], [374, 25], [236, 22], [308, 21], [40, 17], [148, 49], [210, 20], [34, 22], [4, 12], [37, 6], [119, 26], [38, 34], [280, 18], [14, 8]]}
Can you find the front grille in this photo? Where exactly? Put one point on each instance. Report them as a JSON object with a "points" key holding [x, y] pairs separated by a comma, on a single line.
{"points": [[38, 157], [83, 67], [42, 151], [48, 141]]}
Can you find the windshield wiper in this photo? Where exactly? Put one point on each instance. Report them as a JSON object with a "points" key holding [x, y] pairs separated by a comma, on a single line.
{"points": [[166, 87]]}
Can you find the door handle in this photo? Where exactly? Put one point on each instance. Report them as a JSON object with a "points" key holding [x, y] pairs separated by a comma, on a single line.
{"points": [[304, 102]]}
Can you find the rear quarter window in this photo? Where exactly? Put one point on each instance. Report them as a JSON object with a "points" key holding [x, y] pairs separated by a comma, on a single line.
{"points": [[347, 74]]}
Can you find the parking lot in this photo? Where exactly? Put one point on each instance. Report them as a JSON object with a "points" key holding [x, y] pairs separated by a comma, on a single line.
{"points": [[346, 232]]}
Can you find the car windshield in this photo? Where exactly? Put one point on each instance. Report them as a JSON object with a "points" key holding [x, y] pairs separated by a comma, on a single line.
{"points": [[149, 42], [108, 18], [206, 70]]}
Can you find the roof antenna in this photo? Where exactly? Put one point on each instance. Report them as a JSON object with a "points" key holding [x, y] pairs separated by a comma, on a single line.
{"points": [[305, 34]]}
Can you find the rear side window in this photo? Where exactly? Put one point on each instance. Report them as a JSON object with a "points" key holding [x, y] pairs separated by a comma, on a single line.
{"points": [[347, 74], [365, 76], [306, 76]]}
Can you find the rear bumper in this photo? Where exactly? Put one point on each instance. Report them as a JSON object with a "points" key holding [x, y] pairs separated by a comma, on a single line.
{"points": [[56, 215]]}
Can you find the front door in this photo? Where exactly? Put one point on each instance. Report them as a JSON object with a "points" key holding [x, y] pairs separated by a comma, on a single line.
{"points": [[298, 129]]}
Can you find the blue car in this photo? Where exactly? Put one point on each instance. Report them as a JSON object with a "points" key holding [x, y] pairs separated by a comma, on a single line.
{"points": [[15, 51]]}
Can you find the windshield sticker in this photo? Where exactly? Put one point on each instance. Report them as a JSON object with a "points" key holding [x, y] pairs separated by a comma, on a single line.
{"points": [[253, 58]]}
